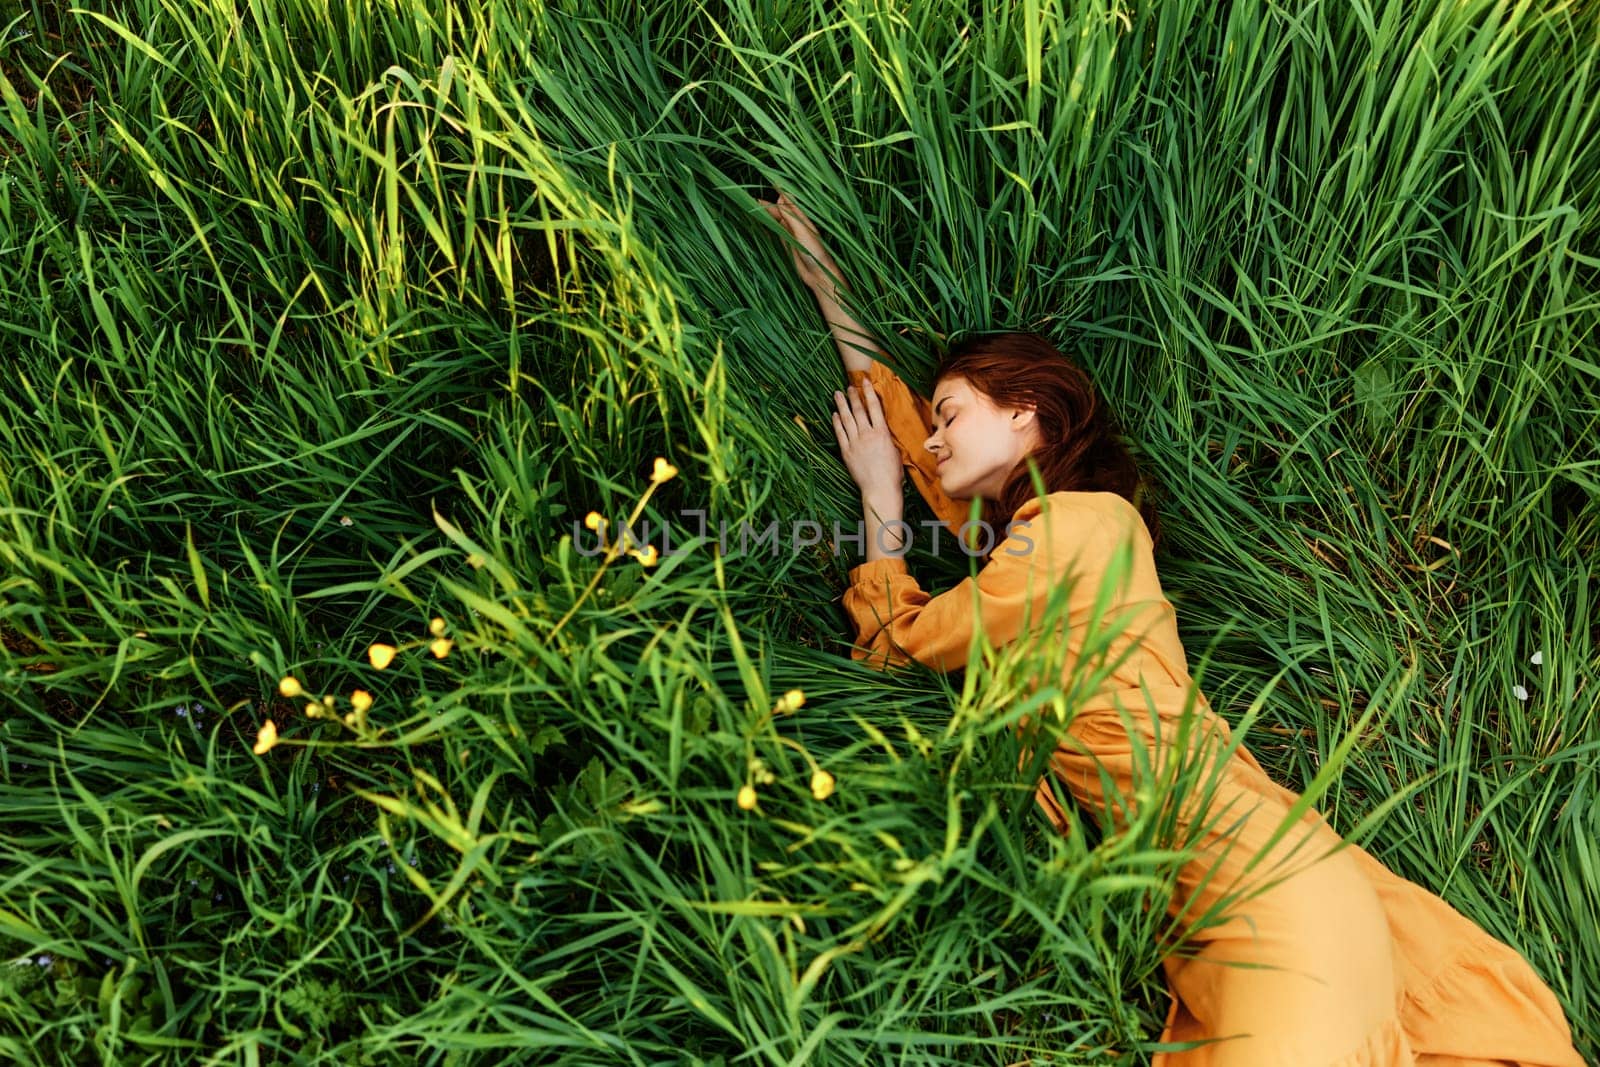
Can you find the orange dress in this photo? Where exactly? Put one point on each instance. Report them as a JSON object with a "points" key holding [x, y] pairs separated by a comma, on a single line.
{"points": [[1361, 966]]}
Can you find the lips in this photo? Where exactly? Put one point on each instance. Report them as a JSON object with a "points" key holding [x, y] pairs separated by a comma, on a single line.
{"points": [[941, 462]]}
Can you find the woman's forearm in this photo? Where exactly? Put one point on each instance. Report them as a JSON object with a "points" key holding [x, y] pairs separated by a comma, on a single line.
{"points": [[849, 336], [882, 540]]}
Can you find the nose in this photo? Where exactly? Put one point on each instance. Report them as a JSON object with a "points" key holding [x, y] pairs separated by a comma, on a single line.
{"points": [[931, 442]]}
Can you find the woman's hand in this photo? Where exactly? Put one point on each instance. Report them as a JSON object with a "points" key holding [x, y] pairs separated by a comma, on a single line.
{"points": [[869, 451], [811, 260]]}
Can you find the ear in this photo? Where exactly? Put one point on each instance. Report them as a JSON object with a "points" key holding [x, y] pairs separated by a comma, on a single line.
{"points": [[1022, 419]]}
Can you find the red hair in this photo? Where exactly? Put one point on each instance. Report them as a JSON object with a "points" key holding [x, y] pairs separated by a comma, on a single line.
{"points": [[1083, 447]]}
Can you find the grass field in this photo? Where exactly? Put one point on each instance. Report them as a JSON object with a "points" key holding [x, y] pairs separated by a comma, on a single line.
{"points": [[323, 319]]}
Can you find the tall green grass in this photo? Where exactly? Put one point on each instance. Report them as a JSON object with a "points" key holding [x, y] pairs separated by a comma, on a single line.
{"points": [[321, 319]]}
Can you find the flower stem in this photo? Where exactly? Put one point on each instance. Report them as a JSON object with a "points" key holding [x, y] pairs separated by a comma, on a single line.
{"points": [[611, 554]]}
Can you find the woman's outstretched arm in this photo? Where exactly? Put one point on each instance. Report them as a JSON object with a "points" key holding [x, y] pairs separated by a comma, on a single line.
{"points": [[908, 415], [816, 268]]}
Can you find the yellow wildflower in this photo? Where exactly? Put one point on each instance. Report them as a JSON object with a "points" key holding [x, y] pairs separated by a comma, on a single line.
{"points": [[594, 520], [647, 555], [440, 647], [381, 655], [791, 700], [436, 627], [266, 738], [822, 785], [361, 700], [290, 687], [313, 710], [747, 797], [662, 471]]}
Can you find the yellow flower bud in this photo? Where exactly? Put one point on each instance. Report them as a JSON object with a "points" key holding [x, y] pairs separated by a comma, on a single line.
{"points": [[440, 647], [647, 555], [663, 470], [313, 710], [794, 698], [266, 738], [381, 655], [290, 687], [436, 627], [594, 520], [361, 700], [822, 785], [747, 797]]}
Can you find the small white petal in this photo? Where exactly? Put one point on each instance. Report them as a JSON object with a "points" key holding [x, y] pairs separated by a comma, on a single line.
{"points": [[1538, 657], [1521, 693]]}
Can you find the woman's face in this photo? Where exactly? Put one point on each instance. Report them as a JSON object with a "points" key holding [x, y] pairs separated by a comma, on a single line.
{"points": [[978, 443]]}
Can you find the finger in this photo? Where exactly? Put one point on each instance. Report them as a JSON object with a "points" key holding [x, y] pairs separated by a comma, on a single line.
{"points": [[838, 432], [802, 220], [859, 408], [874, 405], [847, 416], [797, 211]]}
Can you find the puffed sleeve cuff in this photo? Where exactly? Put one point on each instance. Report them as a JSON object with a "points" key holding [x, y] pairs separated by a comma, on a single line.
{"points": [[875, 571], [880, 591]]}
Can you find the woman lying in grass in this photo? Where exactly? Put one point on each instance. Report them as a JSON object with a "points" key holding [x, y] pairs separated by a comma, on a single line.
{"points": [[1345, 962]]}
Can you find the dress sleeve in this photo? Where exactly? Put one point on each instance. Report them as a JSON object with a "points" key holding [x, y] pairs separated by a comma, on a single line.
{"points": [[896, 621], [910, 422]]}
